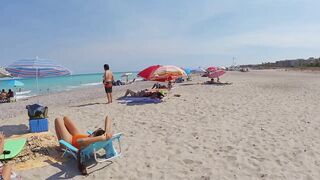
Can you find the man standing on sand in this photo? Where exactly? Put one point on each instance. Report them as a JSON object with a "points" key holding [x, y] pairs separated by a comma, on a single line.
{"points": [[107, 81]]}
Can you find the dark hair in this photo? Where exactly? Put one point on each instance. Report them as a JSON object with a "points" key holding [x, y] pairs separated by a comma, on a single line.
{"points": [[9, 90], [106, 67], [98, 132]]}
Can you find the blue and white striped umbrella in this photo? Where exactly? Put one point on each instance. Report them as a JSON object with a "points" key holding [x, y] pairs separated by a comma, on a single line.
{"points": [[31, 68]]}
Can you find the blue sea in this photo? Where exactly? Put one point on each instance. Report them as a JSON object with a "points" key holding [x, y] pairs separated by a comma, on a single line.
{"points": [[57, 84]]}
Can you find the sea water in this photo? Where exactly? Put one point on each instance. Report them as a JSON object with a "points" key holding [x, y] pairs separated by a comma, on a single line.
{"points": [[34, 87]]}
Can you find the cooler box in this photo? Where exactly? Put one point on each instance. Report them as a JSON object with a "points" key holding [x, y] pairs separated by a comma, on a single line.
{"points": [[38, 125]]}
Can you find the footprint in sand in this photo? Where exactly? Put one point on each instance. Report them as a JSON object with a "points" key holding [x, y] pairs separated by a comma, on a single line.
{"points": [[189, 161]]}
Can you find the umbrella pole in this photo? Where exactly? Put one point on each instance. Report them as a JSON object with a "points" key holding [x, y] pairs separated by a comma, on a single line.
{"points": [[37, 80]]}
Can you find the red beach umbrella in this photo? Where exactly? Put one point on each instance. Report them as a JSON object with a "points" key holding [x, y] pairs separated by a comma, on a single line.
{"points": [[162, 73], [216, 74], [212, 69], [147, 73]]}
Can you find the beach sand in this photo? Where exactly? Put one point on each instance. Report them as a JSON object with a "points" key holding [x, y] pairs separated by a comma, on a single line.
{"points": [[263, 126]]}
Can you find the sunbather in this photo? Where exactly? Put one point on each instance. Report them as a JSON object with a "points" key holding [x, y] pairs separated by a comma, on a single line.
{"points": [[210, 82], [144, 93], [3, 95], [68, 131], [158, 86], [216, 82], [5, 170], [10, 94]]}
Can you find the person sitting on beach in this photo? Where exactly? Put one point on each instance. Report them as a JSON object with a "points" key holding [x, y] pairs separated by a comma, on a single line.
{"points": [[3, 94], [10, 94], [170, 85], [67, 130], [179, 80], [158, 86], [5, 170], [216, 82], [144, 93], [210, 82]]}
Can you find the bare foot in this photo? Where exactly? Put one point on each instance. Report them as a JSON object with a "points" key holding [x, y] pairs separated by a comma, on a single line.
{"points": [[1, 142]]}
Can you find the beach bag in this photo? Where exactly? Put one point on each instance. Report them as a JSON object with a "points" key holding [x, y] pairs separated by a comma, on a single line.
{"points": [[37, 111]]}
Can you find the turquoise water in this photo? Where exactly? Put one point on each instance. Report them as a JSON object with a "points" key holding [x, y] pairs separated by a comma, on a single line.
{"points": [[57, 84]]}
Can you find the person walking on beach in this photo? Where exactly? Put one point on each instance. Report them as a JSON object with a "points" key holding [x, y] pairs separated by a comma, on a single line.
{"points": [[107, 81]]}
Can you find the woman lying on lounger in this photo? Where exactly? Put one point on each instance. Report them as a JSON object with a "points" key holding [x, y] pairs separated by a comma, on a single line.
{"points": [[144, 93], [68, 131]]}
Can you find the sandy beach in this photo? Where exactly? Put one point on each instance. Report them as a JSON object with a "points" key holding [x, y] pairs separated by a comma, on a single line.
{"points": [[263, 126]]}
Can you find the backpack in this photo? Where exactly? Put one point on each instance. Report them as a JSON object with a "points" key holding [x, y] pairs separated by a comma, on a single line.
{"points": [[37, 111]]}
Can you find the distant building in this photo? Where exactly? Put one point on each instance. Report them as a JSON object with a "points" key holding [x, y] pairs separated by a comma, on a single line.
{"points": [[310, 62]]}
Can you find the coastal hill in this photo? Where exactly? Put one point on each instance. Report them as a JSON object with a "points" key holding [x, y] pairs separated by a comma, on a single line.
{"points": [[293, 63]]}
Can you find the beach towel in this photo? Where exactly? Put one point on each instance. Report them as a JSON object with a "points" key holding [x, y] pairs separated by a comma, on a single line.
{"points": [[139, 100]]}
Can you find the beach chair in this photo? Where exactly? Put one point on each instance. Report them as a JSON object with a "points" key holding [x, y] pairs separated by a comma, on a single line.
{"points": [[92, 150]]}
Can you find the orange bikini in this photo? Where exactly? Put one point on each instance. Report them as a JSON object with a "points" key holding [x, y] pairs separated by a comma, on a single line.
{"points": [[75, 139]]}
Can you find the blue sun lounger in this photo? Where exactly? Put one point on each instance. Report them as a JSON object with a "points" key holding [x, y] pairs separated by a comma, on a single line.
{"points": [[92, 150]]}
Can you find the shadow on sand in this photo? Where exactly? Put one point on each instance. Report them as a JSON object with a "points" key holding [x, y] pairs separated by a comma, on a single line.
{"points": [[10, 130], [89, 104], [69, 169]]}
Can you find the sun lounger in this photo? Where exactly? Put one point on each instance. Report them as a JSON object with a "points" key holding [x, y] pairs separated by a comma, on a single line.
{"points": [[92, 150]]}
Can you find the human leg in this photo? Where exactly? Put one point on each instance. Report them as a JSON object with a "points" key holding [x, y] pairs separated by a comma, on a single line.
{"points": [[132, 93], [1, 142], [6, 172], [108, 92], [110, 97], [127, 93], [71, 126], [61, 130]]}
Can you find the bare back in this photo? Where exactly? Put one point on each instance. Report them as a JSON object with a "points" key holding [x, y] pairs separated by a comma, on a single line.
{"points": [[108, 76]]}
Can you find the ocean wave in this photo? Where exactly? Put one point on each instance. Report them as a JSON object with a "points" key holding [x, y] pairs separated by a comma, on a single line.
{"points": [[92, 84], [23, 96], [68, 88], [23, 92]]}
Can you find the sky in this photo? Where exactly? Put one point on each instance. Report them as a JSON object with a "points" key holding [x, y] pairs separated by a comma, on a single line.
{"points": [[130, 35]]}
